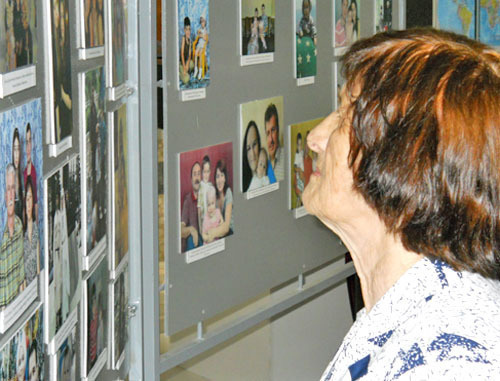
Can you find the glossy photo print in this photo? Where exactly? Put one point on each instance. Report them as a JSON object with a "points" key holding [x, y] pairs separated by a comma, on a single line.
{"points": [[346, 16], [95, 163], [302, 160], [458, 16], [118, 54], [489, 22], [120, 184], [93, 23], [23, 356], [62, 95], [18, 43], [262, 145], [257, 26], [120, 321], [96, 324], [193, 29], [383, 15], [66, 359], [306, 38], [21, 205], [206, 188], [64, 242]]}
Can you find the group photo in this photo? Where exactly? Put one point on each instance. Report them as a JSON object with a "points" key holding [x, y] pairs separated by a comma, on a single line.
{"points": [[257, 26]]}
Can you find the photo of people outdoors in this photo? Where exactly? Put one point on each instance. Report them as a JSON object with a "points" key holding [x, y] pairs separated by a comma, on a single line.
{"points": [[257, 26], [64, 239], [346, 16], [61, 69], [118, 56], [95, 159], [262, 144], [97, 312], [23, 356], [302, 160], [194, 45], [18, 44], [21, 195], [306, 38], [383, 15], [93, 23], [206, 188], [66, 358], [120, 175], [120, 334]]}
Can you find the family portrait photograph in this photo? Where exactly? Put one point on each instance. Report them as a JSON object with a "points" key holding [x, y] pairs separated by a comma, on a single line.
{"points": [[262, 143], [193, 29], [95, 159], [62, 94], [257, 26], [346, 27], [64, 242], [120, 183], [21, 200], [302, 160], [18, 43], [306, 38], [206, 190]]}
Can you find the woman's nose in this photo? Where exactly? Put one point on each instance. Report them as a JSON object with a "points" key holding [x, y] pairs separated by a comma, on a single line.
{"points": [[317, 139]]}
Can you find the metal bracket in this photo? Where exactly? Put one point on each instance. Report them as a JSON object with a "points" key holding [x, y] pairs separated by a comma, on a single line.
{"points": [[132, 309]]}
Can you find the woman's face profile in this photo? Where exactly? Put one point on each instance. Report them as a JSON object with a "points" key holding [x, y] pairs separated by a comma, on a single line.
{"points": [[252, 148]]}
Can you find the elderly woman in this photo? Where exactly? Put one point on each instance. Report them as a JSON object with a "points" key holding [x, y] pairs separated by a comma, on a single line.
{"points": [[408, 177]]}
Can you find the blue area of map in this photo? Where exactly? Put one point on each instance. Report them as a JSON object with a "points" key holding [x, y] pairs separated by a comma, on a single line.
{"points": [[487, 34], [448, 16]]}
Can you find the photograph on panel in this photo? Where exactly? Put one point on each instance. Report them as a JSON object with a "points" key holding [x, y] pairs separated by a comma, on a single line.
{"points": [[306, 38], [119, 32], [95, 162], [61, 70], [193, 27], [338, 83], [302, 160], [120, 318], [23, 356], [455, 15], [206, 189], [93, 23], [383, 15], [346, 16], [64, 240], [262, 143], [96, 320], [66, 359], [257, 26], [489, 22], [18, 44], [21, 206], [120, 184]]}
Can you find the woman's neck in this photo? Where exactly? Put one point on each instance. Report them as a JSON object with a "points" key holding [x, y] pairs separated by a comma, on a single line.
{"points": [[30, 229]]}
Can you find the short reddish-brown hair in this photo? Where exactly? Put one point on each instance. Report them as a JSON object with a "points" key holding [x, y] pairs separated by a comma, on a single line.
{"points": [[425, 142]]}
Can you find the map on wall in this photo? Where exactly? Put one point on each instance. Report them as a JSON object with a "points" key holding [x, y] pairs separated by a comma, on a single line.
{"points": [[489, 22], [457, 16]]}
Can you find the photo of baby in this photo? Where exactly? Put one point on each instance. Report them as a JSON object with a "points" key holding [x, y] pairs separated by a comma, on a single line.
{"points": [[306, 38], [262, 149], [18, 43], [194, 46], [346, 16], [206, 180], [302, 160], [257, 26]]}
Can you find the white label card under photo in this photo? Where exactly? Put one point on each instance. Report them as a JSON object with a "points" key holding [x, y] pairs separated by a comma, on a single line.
{"points": [[87, 54], [205, 250], [255, 59], [63, 332], [263, 190], [14, 310], [17, 80], [192, 95], [56, 149], [305, 81], [300, 212]]}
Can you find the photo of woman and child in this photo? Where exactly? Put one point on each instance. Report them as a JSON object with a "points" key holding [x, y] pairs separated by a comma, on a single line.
{"points": [[194, 49], [306, 38], [262, 159], [346, 22], [207, 198], [17, 34], [302, 160]]}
